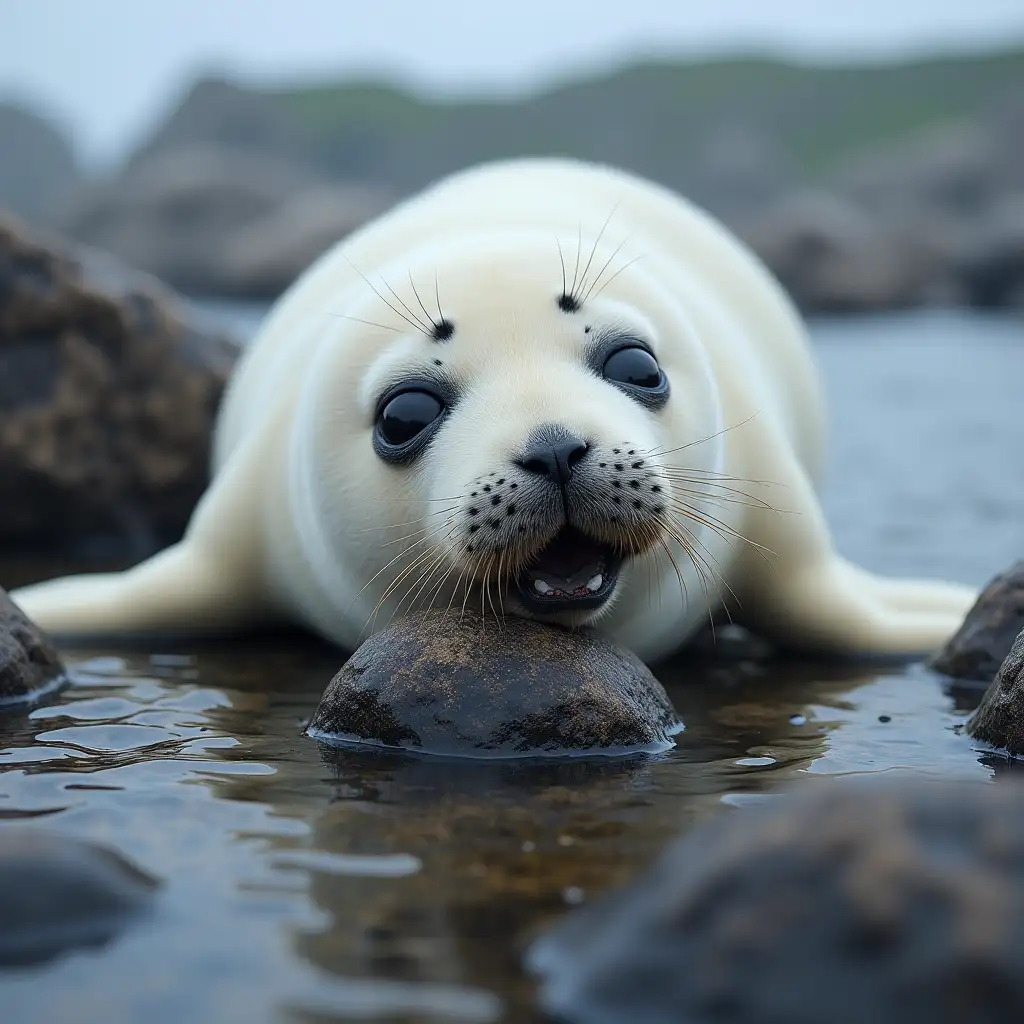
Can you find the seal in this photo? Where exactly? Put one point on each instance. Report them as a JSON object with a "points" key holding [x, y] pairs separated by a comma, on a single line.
{"points": [[539, 388]]}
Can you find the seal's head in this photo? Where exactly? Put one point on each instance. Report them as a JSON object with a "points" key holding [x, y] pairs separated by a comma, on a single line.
{"points": [[514, 440]]}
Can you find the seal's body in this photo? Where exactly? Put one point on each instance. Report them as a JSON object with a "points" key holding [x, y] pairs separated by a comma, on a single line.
{"points": [[540, 387]]}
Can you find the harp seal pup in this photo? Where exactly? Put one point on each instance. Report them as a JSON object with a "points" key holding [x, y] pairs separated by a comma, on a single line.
{"points": [[540, 387]]}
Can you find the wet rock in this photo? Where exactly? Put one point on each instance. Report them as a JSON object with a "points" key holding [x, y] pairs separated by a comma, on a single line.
{"points": [[38, 166], [59, 894], [29, 664], [173, 214], [981, 644], [999, 718], [108, 394], [901, 904], [832, 256], [262, 259], [448, 684]]}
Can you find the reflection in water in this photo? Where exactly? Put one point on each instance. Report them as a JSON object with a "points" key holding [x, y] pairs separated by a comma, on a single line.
{"points": [[315, 883], [301, 884]]}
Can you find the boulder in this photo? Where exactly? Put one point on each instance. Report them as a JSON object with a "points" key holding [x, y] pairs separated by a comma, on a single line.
{"points": [[108, 392], [29, 663], [832, 257], [262, 259], [445, 683], [999, 718], [38, 167], [952, 170], [897, 904], [58, 893], [980, 645], [991, 266], [173, 214]]}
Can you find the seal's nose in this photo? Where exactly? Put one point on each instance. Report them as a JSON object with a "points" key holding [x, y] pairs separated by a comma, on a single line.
{"points": [[552, 452]]}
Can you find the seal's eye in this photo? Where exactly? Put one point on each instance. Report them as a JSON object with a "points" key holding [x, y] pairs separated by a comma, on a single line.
{"points": [[406, 416], [405, 424], [634, 366]]}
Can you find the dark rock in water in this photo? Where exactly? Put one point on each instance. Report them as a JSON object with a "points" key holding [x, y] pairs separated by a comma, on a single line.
{"points": [[901, 904], [999, 718], [38, 166], [59, 894], [107, 400], [456, 685], [983, 641], [29, 664]]}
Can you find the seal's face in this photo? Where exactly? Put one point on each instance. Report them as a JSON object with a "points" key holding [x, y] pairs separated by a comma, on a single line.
{"points": [[536, 434]]}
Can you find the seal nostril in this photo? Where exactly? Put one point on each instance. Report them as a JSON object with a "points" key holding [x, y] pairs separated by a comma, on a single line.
{"points": [[553, 452]]}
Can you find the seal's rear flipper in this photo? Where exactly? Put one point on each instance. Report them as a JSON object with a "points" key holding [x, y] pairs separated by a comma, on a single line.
{"points": [[178, 590]]}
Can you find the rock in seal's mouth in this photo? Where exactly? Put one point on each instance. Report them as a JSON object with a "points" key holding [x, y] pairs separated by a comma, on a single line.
{"points": [[573, 572]]}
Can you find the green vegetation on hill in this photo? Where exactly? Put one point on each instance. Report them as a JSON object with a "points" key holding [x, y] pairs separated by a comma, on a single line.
{"points": [[656, 118]]}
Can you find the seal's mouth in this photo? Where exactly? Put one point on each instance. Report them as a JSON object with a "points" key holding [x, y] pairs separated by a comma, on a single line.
{"points": [[573, 572]]}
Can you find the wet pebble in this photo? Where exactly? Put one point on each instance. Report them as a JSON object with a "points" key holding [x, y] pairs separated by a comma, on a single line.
{"points": [[895, 904], [59, 893], [459, 686]]}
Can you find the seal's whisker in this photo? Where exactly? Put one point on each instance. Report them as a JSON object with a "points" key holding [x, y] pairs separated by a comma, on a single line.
{"points": [[415, 499], [429, 557], [369, 323], [607, 264], [437, 298], [426, 312], [735, 497], [579, 251], [723, 529], [410, 321], [455, 589], [709, 559], [411, 522], [621, 269], [421, 582], [433, 595], [398, 298], [401, 554], [418, 560], [679, 575], [597, 241], [658, 453]]}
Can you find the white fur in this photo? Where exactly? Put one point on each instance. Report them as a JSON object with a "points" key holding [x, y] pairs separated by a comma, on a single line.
{"points": [[303, 518]]}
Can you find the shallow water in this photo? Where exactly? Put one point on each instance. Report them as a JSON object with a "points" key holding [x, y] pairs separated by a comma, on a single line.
{"points": [[301, 884]]}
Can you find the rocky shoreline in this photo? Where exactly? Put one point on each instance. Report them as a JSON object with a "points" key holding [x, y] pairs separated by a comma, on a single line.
{"points": [[225, 199]]}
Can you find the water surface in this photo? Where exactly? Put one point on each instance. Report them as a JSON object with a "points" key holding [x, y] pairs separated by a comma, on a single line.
{"points": [[301, 884]]}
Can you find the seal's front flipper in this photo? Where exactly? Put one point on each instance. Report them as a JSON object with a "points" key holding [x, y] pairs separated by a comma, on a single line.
{"points": [[178, 590]]}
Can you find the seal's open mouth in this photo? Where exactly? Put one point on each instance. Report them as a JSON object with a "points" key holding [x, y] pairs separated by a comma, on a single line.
{"points": [[572, 572]]}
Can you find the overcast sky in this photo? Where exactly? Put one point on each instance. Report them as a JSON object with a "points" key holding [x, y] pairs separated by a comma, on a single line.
{"points": [[108, 67]]}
